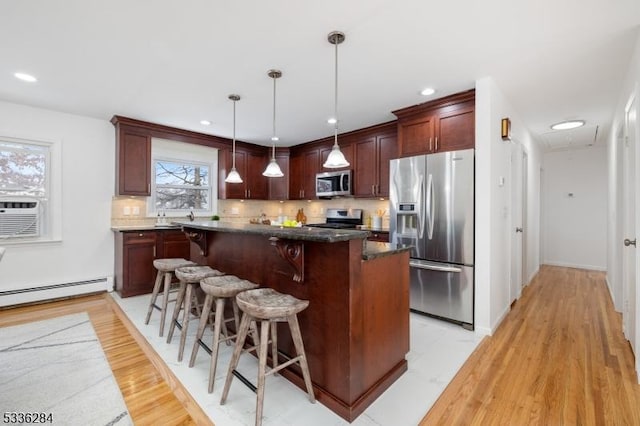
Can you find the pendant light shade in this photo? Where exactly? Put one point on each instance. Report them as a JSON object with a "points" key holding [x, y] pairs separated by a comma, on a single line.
{"points": [[336, 158], [273, 170], [234, 176]]}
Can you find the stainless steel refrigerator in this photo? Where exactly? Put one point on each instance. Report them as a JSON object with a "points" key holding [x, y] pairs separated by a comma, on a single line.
{"points": [[432, 210]]}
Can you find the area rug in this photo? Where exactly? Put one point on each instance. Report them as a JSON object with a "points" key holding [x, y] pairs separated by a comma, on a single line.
{"points": [[55, 372]]}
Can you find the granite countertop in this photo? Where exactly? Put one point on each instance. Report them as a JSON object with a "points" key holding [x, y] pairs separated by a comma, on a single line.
{"points": [[371, 249], [369, 228], [375, 249], [304, 233], [133, 228]]}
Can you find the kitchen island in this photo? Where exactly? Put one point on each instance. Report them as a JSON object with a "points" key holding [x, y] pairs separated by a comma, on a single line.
{"points": [[356, 328]]}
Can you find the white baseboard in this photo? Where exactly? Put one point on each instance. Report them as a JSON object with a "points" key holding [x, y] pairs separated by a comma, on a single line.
{"points": [[577, 266], [38, 293]]}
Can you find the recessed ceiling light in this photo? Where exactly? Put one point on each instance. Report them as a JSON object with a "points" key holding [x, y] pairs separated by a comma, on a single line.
{"points": [[566, 125], [428, 91], [25, 77], [205, 122], [332, 121]]}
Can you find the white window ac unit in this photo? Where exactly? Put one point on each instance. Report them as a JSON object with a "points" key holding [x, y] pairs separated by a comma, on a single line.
{"points": [[19, 217]]}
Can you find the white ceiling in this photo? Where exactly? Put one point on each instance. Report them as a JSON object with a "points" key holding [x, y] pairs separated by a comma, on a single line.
{"points": [[175, 62]]}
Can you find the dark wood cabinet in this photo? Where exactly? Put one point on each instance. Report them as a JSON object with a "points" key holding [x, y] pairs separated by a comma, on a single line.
{"points": [[135, 253], [379, 236], [416, 135], [250, 165], [174, 243], [303, 166], [371, 171], [445, 124], [279, 187], [456, 127], [133, 160]]}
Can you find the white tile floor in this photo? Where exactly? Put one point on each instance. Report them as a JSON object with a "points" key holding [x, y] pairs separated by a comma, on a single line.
{"points": [[438, 350]]}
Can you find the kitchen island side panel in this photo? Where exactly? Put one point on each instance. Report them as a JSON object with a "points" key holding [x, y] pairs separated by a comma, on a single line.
{"points": [[342, 322]]}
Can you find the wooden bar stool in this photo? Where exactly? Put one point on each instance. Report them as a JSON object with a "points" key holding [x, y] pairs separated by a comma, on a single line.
{"points": [[220, 289], [268, 307], [166, 268], [190, 277]]}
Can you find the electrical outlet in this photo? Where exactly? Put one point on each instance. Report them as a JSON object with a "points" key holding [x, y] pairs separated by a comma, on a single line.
{"points": [[126, 211], [235, 210], [136, 210]]}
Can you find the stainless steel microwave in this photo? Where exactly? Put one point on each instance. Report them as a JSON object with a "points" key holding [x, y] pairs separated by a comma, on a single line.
{"points": [[332, 184]]}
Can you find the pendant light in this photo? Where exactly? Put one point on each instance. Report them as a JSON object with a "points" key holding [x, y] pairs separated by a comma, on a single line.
{"points": [[336, 157], [234, 176], [273, 170]]}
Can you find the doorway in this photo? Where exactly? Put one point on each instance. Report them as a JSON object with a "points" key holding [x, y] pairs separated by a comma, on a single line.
{"points": [[629, 252], [518, 220]]}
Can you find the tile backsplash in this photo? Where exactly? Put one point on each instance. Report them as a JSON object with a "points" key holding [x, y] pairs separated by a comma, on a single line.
{"points": [[132, 211]]}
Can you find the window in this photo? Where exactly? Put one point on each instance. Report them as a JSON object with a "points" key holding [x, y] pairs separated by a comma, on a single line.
{"points": [[182, 186], [184, 178], [24, 188]]}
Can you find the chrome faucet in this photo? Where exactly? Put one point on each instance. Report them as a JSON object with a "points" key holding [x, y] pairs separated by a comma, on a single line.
{"points": [[191, 216]]}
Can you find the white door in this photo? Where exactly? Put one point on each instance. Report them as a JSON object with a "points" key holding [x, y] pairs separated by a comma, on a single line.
{"points": [[630, 254], [525, 191], [515, 286]]}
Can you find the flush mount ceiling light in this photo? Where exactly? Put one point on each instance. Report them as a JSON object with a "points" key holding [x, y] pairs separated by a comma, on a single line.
{"points": [[336, 157], [234, 176], [428, 91], [273, 170], [25, 77], [568, 124]]}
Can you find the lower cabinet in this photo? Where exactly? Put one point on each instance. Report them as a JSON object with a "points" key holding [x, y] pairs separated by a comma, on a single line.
{"points": [[381, 236], [135, 252]]}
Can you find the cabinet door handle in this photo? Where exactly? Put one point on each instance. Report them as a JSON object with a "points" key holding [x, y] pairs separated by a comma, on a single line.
{"points": [[373, 190], [436, 143], [149, 188], [154, 251], [140, 235], [430, 144]]}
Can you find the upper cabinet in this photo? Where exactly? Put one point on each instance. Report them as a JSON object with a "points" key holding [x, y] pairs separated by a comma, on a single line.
{"points": [[445, 124], [303, 166], [371, 168], [279, 187], [133, 161], [250, 165]]}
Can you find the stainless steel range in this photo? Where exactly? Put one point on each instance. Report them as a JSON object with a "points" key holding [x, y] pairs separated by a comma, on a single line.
{"points": [[341, 219]]}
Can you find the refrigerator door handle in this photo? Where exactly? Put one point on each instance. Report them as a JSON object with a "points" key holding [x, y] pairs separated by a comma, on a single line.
{"points": [[430, 206], [420, 265], [421, 218]]}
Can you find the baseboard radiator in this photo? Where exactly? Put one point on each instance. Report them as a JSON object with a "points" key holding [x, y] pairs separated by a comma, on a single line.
{"points": [[54, 291]]}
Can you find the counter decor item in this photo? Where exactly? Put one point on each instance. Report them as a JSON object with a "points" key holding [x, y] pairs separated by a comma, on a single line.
{"points": [[300, 217]]}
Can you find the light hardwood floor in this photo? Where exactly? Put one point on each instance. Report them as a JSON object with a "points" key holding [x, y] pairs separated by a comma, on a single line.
{"points": [[558, 358], [151, 400]]}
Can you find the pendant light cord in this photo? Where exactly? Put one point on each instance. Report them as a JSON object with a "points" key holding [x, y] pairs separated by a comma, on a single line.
{"points": [[233, 161], [335, 105], [273, 137]]}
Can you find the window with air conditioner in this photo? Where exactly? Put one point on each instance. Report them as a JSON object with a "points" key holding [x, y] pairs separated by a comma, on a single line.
{"points": [[24, 189]]}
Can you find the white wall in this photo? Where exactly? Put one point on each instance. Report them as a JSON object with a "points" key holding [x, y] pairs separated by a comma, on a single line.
{"points": [[493, 204], [575, 208], [630, 87], [85, 250]]}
